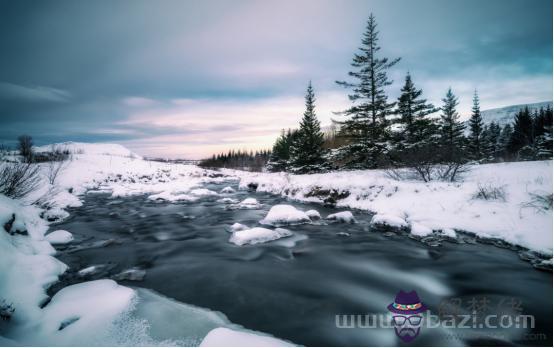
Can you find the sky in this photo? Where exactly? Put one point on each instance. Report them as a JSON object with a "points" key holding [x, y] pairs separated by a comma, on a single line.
{"points": [[186, 79]]}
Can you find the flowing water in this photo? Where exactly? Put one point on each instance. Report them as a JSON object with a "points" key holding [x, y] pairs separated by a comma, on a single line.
{"points": [[295, 287]]}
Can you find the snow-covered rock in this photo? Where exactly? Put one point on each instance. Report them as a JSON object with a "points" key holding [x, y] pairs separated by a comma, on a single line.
{"points": [[313, 214], [170, 197], [227, 200], [238, 227], [258, 235], [448, 232], [388, 220], [343, 216], [203, 192], [225, 337], [284, 214], [248, 203], [59, 237], [227, 189], [420, 230], [55, 214]]}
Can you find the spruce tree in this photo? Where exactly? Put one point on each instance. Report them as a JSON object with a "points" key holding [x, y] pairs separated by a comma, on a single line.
{"points": [[307, 153], [451, 130], [367, 127], [280, 153], [475, 139], [504, 142], [413, 110], [521, 142], [490, 142]]}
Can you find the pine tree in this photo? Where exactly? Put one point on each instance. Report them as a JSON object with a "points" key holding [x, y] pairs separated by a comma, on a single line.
{"points": [[307, 154], [412, 110], [521, 141], [281, 152], [491, 148], [367, 126], [451, 130], [504, 142], [475, 139]]}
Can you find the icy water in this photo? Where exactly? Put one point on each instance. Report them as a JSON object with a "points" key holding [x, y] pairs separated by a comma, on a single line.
{"points": [[295, 287]]}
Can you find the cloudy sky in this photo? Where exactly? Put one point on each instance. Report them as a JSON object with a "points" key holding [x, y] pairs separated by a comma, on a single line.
{"points": [[190, 78]]}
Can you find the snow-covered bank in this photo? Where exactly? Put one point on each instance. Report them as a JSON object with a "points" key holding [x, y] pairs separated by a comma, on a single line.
{"points": [[98, 312], [514, 216]]}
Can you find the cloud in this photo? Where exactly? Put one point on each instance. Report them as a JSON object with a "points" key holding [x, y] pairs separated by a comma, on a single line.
{"points": [[10, 91]]}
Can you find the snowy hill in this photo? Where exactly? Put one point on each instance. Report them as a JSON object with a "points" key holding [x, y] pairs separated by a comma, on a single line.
{"points": [[506, 114]]}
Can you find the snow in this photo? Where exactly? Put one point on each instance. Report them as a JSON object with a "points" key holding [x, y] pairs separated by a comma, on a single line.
{"points": [[505, 115], [227, 200], [224, 337], [437, 205], [388, 220], [313, 214], [227, 189], [448, 232], [59, 237], [238, 227], [99, 312], [284, 214], [343, 216], [249, 201], [258, 235], [203, 192], [420, 230]]}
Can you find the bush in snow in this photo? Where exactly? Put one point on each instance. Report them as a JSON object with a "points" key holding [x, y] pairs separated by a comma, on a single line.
{"points": [[6, 310], [541, 202], [489, 192], [17, 180], [25, 147]]}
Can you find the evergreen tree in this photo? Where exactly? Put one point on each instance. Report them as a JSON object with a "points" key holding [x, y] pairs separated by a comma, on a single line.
{"points": [[412, 110], [475, 140], [504, 142], [491, 148], [281, 152], [521, 141], [451, 130], [367, 127], [307, 154]]}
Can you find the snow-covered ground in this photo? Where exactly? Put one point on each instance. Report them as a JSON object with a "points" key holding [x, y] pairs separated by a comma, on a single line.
{"points": [[439, 206], [98, 312], [91, 313]]}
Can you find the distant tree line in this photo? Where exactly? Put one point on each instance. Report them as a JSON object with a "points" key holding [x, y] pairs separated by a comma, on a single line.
{"points": [[241, 159], [405, 133]]}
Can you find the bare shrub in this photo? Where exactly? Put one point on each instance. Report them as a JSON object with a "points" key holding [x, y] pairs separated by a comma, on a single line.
{"points": [[427, 172], [25, 147], [541, 202], [6, 310], [17, 180], [53, 169], [489, 192]]}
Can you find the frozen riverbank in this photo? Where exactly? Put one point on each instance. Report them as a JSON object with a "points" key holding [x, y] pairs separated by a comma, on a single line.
{"points": [[512, 214]]}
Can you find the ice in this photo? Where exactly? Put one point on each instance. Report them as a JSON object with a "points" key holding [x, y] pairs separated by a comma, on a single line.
{"points": [[249, 202], [313, 214], [343, 216], [55, 214], [420, 230], [227, 200], [224, 337], [168, 196], [203, 192], [59, 237], [284, 214], [238, 227], [227, 189], [449, 232], [258, 235], [389, 220]]}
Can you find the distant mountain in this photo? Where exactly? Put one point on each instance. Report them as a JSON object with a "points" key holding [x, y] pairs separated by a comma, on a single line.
{"points": [[506, 114]]}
